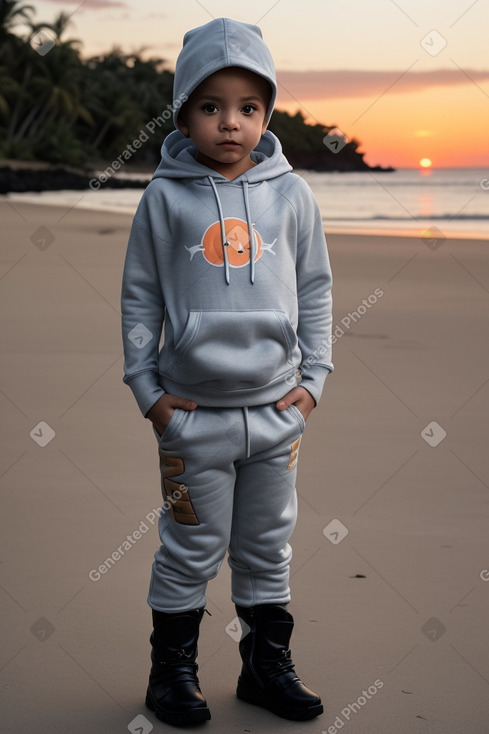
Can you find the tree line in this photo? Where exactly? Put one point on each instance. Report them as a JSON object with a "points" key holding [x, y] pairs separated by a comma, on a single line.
{"points": [[61, 108]]}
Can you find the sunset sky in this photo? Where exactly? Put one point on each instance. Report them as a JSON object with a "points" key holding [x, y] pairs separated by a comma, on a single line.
{"points": [[409, 79]]}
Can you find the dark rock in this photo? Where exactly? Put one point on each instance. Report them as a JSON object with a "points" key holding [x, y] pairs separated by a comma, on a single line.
{"points": [[57, 179]]}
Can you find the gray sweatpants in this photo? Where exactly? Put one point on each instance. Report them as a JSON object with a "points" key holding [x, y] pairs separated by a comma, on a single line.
{"points": [[228, 482]]}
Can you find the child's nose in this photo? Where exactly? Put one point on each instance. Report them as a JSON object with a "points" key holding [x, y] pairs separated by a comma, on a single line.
{"points": [[230, 121]]}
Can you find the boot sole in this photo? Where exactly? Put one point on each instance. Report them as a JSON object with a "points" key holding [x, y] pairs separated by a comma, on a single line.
{"points": [[254, 696], [185, 718]]}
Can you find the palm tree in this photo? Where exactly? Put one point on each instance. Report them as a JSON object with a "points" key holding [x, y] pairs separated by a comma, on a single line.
{"points": [[9, 89], [57, 29], [59, 26], [111, 107], [12, 14], [42, 100]]}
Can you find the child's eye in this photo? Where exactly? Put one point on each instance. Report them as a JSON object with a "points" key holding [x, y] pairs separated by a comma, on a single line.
{"points": [[209, 107], [248, 109]]}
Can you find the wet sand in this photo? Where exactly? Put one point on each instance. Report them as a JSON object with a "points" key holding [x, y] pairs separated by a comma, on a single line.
{"points": [[390, 567]]}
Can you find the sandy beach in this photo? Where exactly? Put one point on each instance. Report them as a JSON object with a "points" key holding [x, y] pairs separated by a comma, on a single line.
{"points": [[390, 575]]}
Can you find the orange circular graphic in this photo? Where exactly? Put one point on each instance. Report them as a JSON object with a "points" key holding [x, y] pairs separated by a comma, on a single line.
{"points": [[238, 249]]}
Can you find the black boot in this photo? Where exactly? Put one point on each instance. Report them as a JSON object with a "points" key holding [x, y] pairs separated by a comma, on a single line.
{"points": [[267, 677], [173, 691]]}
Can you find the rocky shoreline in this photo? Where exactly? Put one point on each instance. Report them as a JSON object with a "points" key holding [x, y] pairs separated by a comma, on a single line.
{"points": [[36, 179], [21, 178]]}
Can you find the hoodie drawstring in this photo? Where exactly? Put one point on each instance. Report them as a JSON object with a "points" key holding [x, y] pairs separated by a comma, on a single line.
{"points": [[224, 241], [251, 233]]}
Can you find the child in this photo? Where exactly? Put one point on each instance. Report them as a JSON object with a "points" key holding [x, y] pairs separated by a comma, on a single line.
{"points": [[227, 250]]}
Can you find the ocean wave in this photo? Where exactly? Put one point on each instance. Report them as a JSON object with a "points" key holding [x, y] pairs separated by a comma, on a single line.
{"points": [[414, 220]]}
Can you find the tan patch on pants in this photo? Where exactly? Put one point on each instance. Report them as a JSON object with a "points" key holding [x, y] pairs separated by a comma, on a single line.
{"points": [[294, 454], [175, 494]]}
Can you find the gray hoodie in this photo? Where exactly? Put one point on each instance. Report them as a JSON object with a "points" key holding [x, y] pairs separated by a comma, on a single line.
{"points": [[242, 314]]}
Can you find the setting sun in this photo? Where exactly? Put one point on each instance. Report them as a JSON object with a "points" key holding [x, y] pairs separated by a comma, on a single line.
{"points": [[425, 163]]}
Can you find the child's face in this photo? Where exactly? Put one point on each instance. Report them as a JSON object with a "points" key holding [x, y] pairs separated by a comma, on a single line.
{"points": [[225, 118]]}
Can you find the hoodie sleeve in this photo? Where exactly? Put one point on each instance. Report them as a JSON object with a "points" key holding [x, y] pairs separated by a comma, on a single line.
{"points": [[314, 281], [143, 311]]}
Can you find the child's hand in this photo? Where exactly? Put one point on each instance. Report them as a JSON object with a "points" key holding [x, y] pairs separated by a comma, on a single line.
{"points": [[161, 412], [299, 397]]}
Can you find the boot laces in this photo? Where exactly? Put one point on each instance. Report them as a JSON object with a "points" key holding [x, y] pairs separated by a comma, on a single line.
{"points": [[182, 662], [284, 664]]}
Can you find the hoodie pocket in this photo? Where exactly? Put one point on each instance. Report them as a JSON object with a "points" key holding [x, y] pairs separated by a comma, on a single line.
{"points": [[234, 350]]}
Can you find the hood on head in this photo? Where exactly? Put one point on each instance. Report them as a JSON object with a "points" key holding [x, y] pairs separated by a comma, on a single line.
{"points": [[178, 160], [217, 45]]}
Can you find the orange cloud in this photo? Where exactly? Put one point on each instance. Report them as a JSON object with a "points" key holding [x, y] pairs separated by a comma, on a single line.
{"points": [[349, 83]]}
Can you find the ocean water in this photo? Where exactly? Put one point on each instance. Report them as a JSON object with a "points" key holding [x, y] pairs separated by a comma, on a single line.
{"points": [[453, 201], [408, 201]]}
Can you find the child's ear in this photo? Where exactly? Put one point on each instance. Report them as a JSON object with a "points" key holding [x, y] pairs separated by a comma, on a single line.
{"points": [[182, 126], [264, 127]]}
